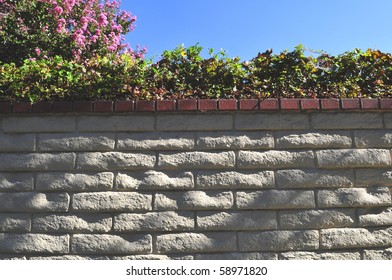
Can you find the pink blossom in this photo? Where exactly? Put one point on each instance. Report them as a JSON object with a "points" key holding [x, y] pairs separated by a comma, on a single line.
{"points": [[38, 51], [103, 20], [58, 10]]}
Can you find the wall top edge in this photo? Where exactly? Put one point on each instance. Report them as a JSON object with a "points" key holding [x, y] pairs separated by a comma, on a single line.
{"points": [[195, 105]]}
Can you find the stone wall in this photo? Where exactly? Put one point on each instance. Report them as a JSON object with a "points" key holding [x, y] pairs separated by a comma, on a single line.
{"points": [[302, 184]]}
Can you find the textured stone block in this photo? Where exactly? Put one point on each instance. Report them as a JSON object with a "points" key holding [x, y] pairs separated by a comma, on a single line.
{"points": [[275, 121], [235, 180], [76, 142], [296, 178], [244, 220], [37, 162], [111, 201], [235, 140], [194, 122], [275, 199], [152, 257], [373, 138], [132, 122], [69, 258], [115, 161], [384, 254], [17, 142], [353, 158], [72, 223], [346, 120], [375, 217], [33, 243], [276, 159], [193, 200], [16, 182], [316, 219], [111, 244], [154, 180], [373, 178], [74, 182], [196, 242], [333, 139], [276, 241], [320, 256], [156, 221], [25, 124], [14, 222], [156, 141], [31, 201], [237, 256], [348, 197], [193, 160], [355, 238]]}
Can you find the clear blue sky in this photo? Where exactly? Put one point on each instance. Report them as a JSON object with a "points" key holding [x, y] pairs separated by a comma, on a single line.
{"points": [[245, 27]]}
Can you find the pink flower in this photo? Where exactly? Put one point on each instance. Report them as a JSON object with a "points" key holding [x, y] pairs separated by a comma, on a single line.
{"points": [[103, 20], [58, 10], [38, 51], [60, 25]]}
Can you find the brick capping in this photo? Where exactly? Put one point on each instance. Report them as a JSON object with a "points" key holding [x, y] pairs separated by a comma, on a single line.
{"points": [[202, 105]]}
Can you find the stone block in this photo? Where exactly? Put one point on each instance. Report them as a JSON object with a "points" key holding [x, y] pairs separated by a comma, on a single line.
{"points": [[26, 124], [234, 140], [156, 141], [373, 178], [16, 182], [353, 158], [34, 202], [346, 120], [333, 256], [194, 122], [373, 138], [375, 217], [383, 254], [76, 142], [14, 222], [17, 142], [116, 123], [237, 256], [31, 243], [37, 162], [235, 180], [323, 139], [274, 121]]}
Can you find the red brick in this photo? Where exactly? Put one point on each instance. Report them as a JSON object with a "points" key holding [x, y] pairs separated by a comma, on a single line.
{"points": [[5, 107], [269, 104], [42, 107], [249, 104], [166, 105], [83, 106], [228, 104], [207, 104], [330, 104], [124, 106], [289, 104], [385, 103], [22, 107], [187, 105], [103, 106], [350, 103], [145, 105], [367, 104], [310, 104], [62, 106]]}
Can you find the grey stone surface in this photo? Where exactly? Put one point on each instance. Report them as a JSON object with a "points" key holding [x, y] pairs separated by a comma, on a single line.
{"points": [[355, 238], [275, 199], [37, 162], [237, 256], [314, 178], [373, 178], [16, 182], [68, 258], [320, 256], [155, 221], [34, 202], [26, 124], [274, 121], [156, 141], [385, 254], [111, 201], [316, 219], [33, 243], [111, 244], [14, 222], [323, 139], [155, 180], [116, 123], [235, 180], [196, 242], [153, 257], [194, 122], [346, 120], [236, 220], [276, 241], [76, 142], [193, 200], [199, 160], [375, 217], [68, 223], [373, 138], [358, 197], [353, 158], [74, 182], [275, 159], [115, 161], [235, 140], [17, 142]]}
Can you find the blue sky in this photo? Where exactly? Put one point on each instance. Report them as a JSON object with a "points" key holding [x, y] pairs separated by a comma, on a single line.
{"points": [[245, 27]]}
